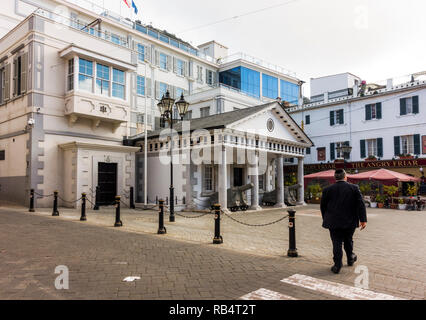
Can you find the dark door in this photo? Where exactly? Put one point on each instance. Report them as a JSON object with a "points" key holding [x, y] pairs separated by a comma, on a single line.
{"points": [[238, 177], [107, 182]]}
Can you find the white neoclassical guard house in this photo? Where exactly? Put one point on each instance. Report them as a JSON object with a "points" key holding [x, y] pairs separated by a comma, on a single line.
{"points": [[215, 153]]}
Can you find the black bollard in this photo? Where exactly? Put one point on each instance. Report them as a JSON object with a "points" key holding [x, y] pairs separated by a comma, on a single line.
{"points": [[292, 250], [55, 211], [97, 194], [184, 200], [161, 228], [176, 200], [217, 237], [132, 199], [83, 207], [31, 201], [118, 222]]}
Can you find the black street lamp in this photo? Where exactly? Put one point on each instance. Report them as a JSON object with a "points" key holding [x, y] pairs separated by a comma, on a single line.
{"points": [[344, 149], [166, 110]]}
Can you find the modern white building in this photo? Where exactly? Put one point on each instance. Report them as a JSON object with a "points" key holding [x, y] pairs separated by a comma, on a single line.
{"points": [[385, 122], [78, 79]]}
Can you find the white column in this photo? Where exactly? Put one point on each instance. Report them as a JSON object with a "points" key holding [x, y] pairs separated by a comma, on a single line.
{"points": [[300, 180], [280, 182], [223, 200], [255, 181]]}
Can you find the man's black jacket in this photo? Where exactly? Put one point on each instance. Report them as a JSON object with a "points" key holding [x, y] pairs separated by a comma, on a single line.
{"points": [[342, 206]]}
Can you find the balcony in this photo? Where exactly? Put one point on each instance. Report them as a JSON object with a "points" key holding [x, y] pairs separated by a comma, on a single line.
{"points": [[80, 105]]}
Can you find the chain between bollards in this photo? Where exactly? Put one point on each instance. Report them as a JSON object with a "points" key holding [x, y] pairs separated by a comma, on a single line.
{"points": [[292, 250], [55, 211], [217, 237], [83, 207], [118, 222], [31, 201], [96, 206]]}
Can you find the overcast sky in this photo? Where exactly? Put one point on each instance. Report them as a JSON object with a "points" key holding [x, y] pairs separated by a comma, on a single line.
{"points": [[374, 39]]}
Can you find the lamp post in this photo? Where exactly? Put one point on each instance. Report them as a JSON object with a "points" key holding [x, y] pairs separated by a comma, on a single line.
{"points": [[166, 110]]}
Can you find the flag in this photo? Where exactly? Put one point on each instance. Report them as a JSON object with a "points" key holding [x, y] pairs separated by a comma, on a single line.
{"points": [[127, 4], [134, 7]]}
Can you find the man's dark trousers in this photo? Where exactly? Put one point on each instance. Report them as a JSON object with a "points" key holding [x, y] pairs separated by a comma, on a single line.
{"points": [[339, 237]]}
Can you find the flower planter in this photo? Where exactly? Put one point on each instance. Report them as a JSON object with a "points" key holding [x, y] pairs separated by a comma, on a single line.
{"points": [[393, 206], [402, 206], [373, 204], [380, 205]]}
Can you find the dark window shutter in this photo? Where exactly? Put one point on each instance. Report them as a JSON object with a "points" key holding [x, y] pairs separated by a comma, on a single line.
{"points": [[417, 144], [368, 112], [380, 147], [397, 145], [308, 119], [331, 118], [416, 104], [341, 117], [403, 106], [379, 110], [346, 155], [332, 152], [363, 154]]}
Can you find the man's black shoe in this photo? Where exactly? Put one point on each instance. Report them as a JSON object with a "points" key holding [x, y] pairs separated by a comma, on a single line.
{"points": [[335, 269], [353, 259]]}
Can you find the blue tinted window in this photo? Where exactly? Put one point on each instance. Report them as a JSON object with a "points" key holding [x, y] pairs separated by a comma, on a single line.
{"points": [[118, 83], [140, 85], [153, 33], [183, 47], [115, 39], [163, 61], [164, 38], [289, 92], [269, 86], [174, 43], [141, 52], [179, 92], [180, 66], [140, 28], [244, 79], [163, 89]]}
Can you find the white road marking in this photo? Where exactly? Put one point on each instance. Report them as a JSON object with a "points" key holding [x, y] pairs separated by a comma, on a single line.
{"points": [[265, 294], [336, 289]]}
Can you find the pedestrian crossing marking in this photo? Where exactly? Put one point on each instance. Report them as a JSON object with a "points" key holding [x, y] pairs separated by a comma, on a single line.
{"points": [[265, 294], [336, 289]]}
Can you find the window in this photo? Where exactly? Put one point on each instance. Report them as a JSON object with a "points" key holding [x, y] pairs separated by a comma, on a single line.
{"points": [[336, 152], [204, 112], [261, 178], [209, 77], [244, 79], [20, 65], [409, 105], [373, 111], [269, 86], [163, 61], [188, 115], [208, 178], [153, 34], [337, 117], [407, 145], [200, 74], [289, 92], [162, 90], [179, 92], [371, 147], [2, 84], [308, 150], [85, 77], [115, 39], [2, 155], [70, 77], [141, 52], [180, 67], [140, 85], [102, 79], [118, 83], [174, 43], [307, 119], [164, 38]]}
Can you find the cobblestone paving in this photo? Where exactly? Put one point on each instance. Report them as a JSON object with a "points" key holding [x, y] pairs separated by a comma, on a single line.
{"points": [[185, 265]]}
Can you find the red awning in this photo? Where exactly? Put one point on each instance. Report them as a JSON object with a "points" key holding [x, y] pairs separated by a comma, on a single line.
{"points": [[323, 175], [383, 175]]}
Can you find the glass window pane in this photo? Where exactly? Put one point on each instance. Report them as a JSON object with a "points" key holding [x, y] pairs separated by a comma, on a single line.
{"points": [[269, 86], [86, 67], [85, 82], [141, 85], [118, 76], [289, 92], [164, 38], [163, 61], [153, 33], [118, 90], [174, 43]]}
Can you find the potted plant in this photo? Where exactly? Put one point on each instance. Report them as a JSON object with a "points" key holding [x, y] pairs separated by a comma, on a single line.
{"points": [[380, 201], [412, 190], [391, 191], [402, 205], [316, 191], [371, 158], [406, 156]]}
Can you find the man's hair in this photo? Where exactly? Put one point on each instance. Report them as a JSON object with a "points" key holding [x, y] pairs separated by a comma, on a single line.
{"points": [[340, 174]]}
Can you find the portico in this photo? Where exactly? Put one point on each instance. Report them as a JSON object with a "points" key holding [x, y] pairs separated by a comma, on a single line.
{"points": [[245, 148]]}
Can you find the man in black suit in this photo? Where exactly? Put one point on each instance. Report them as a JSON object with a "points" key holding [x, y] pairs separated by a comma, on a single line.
{"points": [[343, 210]]}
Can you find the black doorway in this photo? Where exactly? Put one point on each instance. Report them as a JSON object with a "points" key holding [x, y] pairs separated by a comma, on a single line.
{"points": [[238, 177], [107, 182]]}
